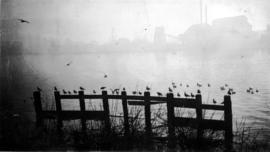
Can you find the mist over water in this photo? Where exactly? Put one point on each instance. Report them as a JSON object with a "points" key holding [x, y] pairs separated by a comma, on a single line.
{"points": [[134, 49]]}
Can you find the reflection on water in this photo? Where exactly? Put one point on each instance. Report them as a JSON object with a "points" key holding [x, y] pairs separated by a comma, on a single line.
{"points": [[134, 71]]}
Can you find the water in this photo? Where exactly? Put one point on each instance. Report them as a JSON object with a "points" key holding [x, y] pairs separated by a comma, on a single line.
{"points": [[158, 70]]}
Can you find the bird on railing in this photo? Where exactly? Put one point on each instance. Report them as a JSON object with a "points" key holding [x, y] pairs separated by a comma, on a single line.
{"points": [[69, 92], [38, 89], [102, 88], [74, 91], [134, 92], [248, 91], [94, 92], [209, 85], [55, 89], [64, 91], [229, 92], [199, 91], [257, 91], [124, 89], [178, 94], [170, 90], [82, 89], [147, 88], [214, 101], [105, 75], [186, 95], [192, 95], [159, 93], [174, 86], [140, 93], [199, 85]]}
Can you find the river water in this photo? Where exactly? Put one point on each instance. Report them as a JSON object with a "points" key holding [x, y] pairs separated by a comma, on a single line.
{"points": [[135, 71]]}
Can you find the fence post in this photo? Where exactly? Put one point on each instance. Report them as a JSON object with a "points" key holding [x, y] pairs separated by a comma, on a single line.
{"points": [[199, 117], [58, 110], [228, 122], [170, 118], [107, 112], [82, 108], [125, 111], [147, 114], [38, 108]]}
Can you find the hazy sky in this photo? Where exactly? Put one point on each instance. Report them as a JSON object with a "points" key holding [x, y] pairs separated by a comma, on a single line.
{"points": [[102, 20]]}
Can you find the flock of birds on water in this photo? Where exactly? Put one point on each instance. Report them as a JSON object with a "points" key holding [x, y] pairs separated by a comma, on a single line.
{"points": [[171, 89]]}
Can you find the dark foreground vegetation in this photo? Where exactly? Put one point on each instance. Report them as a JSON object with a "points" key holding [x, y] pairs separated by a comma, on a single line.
{"points": [[19, 133]]}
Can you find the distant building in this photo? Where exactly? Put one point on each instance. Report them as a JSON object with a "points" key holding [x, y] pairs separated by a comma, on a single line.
{"points": [[238, 24]]}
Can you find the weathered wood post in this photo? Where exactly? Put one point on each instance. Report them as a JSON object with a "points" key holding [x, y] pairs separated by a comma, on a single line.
{"points": [[147, 114], [107, 112], [199, 117], [58, 110], [170, 118], [125, 111], [82, 108], [38, 108], [228, 122]]}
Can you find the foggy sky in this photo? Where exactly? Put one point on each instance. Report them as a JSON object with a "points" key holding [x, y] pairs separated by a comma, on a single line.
{"points": [[103, 20]]}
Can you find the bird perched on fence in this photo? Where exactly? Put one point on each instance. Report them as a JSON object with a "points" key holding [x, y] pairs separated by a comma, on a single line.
{"points": [[140, 93], [134, 92], [81, 88], [147, 88], [214, 101], [222, 88], [55, 89], [69, 92], [186, 95], [23, 21], [170, 90], [199, 91], [102, 88], [178, 94], [229, 92], [124, 89], [38, 89], [94, 92], [159, 93], [74, 91], [64, 91], [199, 85], [257, 91], [192, 95]]}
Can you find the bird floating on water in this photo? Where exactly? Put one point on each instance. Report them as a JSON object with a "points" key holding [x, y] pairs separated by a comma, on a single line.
{"points": [[23, 21]]}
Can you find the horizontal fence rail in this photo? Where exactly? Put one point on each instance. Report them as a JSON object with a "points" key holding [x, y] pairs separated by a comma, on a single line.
{"points": [[146, 101]]}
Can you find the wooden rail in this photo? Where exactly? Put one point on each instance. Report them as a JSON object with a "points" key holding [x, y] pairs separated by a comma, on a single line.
{"points": [[146, 100]]}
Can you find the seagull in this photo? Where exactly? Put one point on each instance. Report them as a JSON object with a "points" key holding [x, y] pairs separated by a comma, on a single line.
{"points": [[159, 94], [192, 95], [178, 94], [124, 89], [222, 88], [186, 95], [214, 101], [257, 90], [81, 88], [147, 88], [170, 90], [134, 92], [102, 88], [68, 64], [94, 91], [69, 92], [199, 85], [74, 91], [209, 85], [140, 93], [105, 76], [38, 89], [55, 89], [23, 21], [64, 91], [229, 92], [198, 91]]}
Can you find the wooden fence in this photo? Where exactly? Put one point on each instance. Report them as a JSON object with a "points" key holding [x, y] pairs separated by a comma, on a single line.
{"points": [[145, 100]]}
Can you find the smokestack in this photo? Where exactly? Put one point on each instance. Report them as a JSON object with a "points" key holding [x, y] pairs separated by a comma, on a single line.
{"points": [[201, 11], [205, 13]]}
